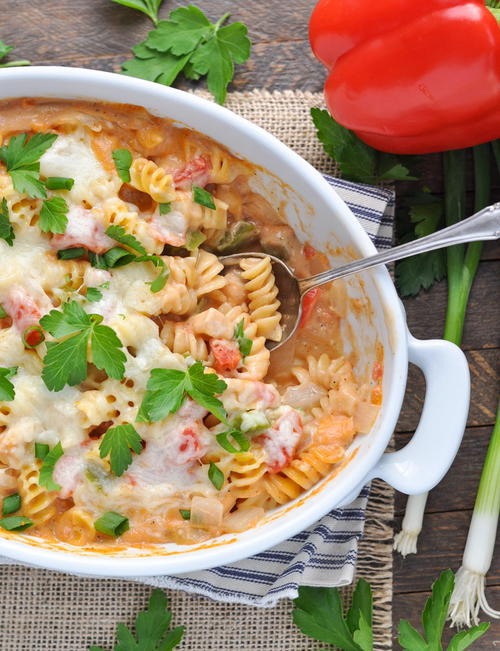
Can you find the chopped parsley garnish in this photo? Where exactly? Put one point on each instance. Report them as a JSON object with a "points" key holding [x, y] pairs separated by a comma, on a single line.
{"points": [[6, 229], [165, 208], [66, 360], [117, 443], [7, 391], [41, 451], [115, 257], [203, 197], [93, 294], [244, 343], [185, 514], [194, 240], [48, 466], [22, 159], [237, 436], [216, 476], [3, 313], [16, 523], [72, 253], [161, 280], [123, 160], [119, 234], [59, 183], [54, 215], [11, 504], [189, 43], [168, 388], [112, 524]]}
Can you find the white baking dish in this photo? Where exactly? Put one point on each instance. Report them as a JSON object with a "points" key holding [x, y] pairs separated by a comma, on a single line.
{"points": [[318, 215]]}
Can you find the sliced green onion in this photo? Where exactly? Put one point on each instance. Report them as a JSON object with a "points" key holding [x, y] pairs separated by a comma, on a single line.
{"points": [[194, 240], [160, 281], [16, 523], [48, 465], [41, 450], [237, 436], [118, 257], [33, 337], [185, 513], [3, 313], [59, 183], [203, 197], [216, 476], [72, 253], [165, 208], [112, 524], [11, 504]]}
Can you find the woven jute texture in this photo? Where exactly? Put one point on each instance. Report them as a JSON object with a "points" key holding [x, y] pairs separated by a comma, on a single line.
{"points": [[49, 611]]}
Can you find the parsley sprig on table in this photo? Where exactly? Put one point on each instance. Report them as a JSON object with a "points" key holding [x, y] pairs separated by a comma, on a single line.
{"points": [[167, 389], [148, 7], [151, 629], [189, 43], [319, 614], [66, 359], [4, 50]]}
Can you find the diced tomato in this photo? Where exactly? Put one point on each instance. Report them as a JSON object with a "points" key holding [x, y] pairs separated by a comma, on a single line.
{"points": [[281, 440], [378, 371], [196, 172], [226, 353], [376, 395], [22, 309], [83, 230], [309, 251], [308, 304], [189, 446]]}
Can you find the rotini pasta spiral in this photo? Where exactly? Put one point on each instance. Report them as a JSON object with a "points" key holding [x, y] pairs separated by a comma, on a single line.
{"points": [[262, 293], [37, 503], [180, 338], [198, 216], [146, 176], [208, 268], [246, 471], [76, 527], [117, 212]]}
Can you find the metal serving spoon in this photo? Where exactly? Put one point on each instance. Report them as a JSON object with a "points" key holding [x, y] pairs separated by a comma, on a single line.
{"points": [[483, 225]]}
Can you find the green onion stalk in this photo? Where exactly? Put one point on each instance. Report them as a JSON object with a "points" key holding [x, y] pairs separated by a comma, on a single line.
{"points": [[462, 264]]}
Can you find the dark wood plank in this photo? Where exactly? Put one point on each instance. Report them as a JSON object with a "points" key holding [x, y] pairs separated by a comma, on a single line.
{"points": [[485, 379], [410, 606], [426, 311], [441, 544], [458, 489]]}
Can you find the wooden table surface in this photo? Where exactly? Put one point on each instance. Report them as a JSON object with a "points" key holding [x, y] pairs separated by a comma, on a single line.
{"points": [[98, 34]]}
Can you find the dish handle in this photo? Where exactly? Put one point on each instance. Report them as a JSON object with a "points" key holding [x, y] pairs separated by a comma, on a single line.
{"points": [[424, 461]]}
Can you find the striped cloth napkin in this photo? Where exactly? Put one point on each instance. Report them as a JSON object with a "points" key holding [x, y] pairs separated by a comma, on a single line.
{"points": [[325, 554]]}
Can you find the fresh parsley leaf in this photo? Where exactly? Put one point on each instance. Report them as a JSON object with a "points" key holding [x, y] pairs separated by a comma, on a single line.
{"points": [[185, 514], [6, 229], [244, 343], [161, 280], [361, 606], [216, 475], [4, 50], [22, 159], [421, 271], [66, 360], [117, 443], [72, 253], [194, 239], [203, 197], [464, 639], [41, 450], [151, 629], [168, 388], [165, 208], [93, 294], [123, 160], [48, 466], [16, 523], [54, 215], [318, 614], [119, 234], [148, 7], [357, 161], [7, 391], [188, 42]]}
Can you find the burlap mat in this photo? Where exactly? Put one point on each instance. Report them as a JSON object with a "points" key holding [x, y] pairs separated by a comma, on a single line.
{"points": [[49, 611]]}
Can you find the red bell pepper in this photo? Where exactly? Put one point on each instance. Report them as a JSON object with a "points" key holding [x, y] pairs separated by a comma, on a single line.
{"points": [[411, 77]]}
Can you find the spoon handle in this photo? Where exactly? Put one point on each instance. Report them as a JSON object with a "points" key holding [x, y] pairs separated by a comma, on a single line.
{"points": [[483, 225]]}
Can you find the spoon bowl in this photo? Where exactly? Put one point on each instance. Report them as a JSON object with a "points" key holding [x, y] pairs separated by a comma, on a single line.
{"points": [[483, 225]]}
